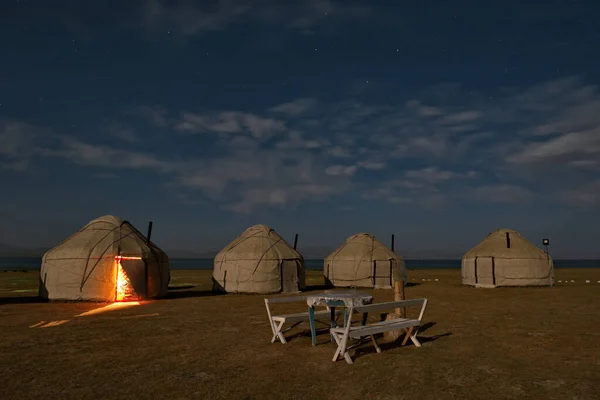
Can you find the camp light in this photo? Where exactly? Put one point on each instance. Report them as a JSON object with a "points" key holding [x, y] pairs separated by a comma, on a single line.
{"points": [[124, 290]]}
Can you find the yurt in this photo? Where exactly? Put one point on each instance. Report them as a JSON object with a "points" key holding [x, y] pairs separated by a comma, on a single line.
{"points": [[363, 261], [106, 260], [258, 261], [505, 258]]}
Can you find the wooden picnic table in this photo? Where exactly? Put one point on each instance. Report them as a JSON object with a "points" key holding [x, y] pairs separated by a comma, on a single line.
{"points": [[332, 299]]}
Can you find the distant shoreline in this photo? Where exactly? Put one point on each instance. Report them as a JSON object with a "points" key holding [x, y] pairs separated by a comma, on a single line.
{"points": [[25, 264]]}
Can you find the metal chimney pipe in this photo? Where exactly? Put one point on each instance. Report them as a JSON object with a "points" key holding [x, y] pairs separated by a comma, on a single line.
{"points": [[295, 241], [149, 232]]}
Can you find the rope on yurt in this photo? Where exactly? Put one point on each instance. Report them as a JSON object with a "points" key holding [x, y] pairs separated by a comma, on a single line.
{"points": [[265, 252], [84, 278]]}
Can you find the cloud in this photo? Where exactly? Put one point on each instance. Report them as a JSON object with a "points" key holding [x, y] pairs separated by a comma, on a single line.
{"points": [[337, 170], [434, 175], [339, 151], [371, 165], [295, 140], [434, 146], [423, 110], [16, 141], [586, 195], [15, 138], [190, 19], [156, 115], [82, 153], [230, 122], [295, 107], [500, 193], [282, 196], [407, 192], [460, 117], [244, 180], [105, 175], [122, 132], [576, 147], [564, 128]]}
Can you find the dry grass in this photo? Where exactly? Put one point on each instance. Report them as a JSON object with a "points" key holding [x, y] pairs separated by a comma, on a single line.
{"points": [[519, 343]]}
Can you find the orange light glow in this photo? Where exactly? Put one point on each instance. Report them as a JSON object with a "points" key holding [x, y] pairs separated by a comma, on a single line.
{"points": [[110, 307], [125, 290]]}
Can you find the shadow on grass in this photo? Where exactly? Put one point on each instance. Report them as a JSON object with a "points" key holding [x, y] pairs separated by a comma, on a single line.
{"points": [[22, 300], [310, 288], [181, 287], [367, 347], [324, 338]]}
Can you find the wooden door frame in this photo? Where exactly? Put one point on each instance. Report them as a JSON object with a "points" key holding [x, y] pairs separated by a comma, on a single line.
{"points": [[493, 270]]}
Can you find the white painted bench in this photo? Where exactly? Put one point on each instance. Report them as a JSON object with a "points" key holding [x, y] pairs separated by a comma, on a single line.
{"points": [[358, 332], [277, 321]]}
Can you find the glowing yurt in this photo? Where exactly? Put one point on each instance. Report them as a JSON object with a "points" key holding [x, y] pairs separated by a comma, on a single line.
{"points": [[106, 260]]}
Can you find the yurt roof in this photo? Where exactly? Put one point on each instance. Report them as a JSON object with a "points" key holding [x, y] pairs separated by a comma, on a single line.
{"points": [[259, 242], [495, 245], [361, 244], [110, 219], [90, 236]]}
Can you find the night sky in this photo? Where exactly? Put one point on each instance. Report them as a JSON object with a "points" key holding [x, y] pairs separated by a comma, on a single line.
{"points": [[436, 121]]}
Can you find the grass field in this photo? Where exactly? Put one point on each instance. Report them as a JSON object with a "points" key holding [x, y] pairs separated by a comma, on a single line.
{"points": [[508, 343]]}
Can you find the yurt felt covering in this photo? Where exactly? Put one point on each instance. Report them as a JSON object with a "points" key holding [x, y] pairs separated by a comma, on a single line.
{"points": [[258, 261], [505, 258], [363, 261], [87, 265]]}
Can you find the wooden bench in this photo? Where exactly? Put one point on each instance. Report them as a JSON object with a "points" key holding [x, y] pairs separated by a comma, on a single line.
{"points": [[411, 326], [277, 321]]}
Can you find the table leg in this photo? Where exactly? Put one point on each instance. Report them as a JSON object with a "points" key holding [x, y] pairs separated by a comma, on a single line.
{"points": [[311, 319], [364, 322], [332, 320]]}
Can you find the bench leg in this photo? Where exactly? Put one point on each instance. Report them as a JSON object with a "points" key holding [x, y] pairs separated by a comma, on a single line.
{"points": [[408, 333], [278, 333], [414, 338], [338, 342], [347, 357], [341, 349], [377, 348]]}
